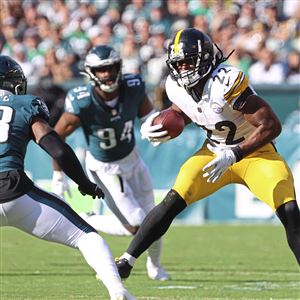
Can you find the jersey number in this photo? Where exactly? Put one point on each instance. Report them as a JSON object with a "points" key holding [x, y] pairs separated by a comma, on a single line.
{"points": [[131, 80], [231, 132], [6, 116], [108, 135]]}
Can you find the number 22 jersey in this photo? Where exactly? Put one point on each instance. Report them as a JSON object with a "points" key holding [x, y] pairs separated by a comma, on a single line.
{"points": [[217, 110]]}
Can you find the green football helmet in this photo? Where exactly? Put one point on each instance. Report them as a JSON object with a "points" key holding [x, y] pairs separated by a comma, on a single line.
{"points": [[12, 78], [103, 56]]}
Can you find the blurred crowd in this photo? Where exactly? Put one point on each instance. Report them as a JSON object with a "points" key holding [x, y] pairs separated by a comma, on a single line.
{"points": [[50, 38]]}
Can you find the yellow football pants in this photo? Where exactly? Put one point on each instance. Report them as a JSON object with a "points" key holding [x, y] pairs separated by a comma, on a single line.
{"points": [[264, 172]]}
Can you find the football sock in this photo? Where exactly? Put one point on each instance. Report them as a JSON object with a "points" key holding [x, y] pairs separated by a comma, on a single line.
{"points": [[131, 260], [98, 256], [156, 223]]}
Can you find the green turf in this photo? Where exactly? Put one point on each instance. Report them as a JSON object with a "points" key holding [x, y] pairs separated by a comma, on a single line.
{"points": [[207, 262]]}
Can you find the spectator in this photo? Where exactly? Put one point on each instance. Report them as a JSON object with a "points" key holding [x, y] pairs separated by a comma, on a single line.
{"points": [[76, 26], [130, 55], [31, 41], [9, 32], [293, 67], [266, 70], [29, 69]]}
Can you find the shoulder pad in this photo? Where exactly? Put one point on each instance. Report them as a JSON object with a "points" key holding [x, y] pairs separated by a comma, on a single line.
{"points": [[78, 97], [231, 81], [79, 93]]}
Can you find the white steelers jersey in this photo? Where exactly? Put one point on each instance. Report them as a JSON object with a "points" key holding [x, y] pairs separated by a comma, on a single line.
{"points": [[214, 112]]}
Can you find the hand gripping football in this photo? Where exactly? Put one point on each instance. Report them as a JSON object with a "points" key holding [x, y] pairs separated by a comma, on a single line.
{"points": [[171, 120]]}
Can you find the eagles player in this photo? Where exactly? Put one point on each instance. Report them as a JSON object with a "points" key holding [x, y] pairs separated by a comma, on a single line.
{"points": [[239, 148], [29, 208], [106, 108]]}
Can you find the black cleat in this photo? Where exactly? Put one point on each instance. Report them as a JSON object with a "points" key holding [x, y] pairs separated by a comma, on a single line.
{"points": [[124, 268]]}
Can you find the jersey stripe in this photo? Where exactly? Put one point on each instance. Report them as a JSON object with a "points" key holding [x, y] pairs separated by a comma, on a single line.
{"points": [[242, 98], [240, 84], [176, 41]]}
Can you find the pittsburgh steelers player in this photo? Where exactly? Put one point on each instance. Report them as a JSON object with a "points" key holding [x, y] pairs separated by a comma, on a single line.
{"points": [[29, 208], [239, 148], [106, 108]]}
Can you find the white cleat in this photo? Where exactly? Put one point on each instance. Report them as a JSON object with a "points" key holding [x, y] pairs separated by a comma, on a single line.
{"points": [[123, 296], [157, 272]]}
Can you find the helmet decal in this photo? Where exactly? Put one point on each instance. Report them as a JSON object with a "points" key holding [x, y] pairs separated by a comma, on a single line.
{"points": [[176, 47]]}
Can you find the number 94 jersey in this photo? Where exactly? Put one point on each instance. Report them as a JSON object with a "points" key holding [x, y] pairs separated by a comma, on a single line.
{"points": [[218, 108], [109, 131]]}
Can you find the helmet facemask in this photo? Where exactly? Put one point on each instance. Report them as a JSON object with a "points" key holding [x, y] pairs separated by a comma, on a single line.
{"points": [[199, 68], [21, 88]]}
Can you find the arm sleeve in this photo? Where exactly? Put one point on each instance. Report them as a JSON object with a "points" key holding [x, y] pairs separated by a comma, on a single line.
{"points": [[65, 157]]}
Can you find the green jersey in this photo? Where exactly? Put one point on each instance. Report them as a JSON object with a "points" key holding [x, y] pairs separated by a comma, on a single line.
{"points": [[109, 131], [16, 114]]}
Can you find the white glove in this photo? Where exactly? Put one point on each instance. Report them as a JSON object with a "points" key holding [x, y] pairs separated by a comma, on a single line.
{"points": [[218, 166], [59, 184], [149, 131]]}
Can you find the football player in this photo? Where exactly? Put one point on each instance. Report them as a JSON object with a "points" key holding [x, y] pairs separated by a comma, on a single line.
{"points": [[106, 108], [241, 128], [27, 207]]}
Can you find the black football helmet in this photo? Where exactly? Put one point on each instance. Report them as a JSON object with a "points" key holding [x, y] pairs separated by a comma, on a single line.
{"points": [[12, 78], [197, 48], [100, 56]]}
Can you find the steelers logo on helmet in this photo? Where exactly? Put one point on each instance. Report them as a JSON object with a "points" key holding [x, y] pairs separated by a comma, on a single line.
{"points": [[103, 59], [194, 49]]}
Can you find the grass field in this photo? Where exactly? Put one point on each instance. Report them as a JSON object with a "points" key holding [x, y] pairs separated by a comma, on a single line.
{"points": [[205, 262]]}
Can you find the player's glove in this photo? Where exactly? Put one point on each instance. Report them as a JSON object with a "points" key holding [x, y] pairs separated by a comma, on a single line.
{"points": [[149, 131], [218, 166], [60, 184], [91, 189]]}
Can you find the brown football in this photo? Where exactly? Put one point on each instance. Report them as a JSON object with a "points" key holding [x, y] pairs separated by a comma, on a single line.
{"points": [[171, 120]]}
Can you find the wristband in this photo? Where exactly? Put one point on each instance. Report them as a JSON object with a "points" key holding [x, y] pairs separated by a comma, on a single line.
{"points": [[238, 152]]}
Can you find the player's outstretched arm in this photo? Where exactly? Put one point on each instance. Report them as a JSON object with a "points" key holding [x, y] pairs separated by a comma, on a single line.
{"points": [[66, 124], [49, 140]]}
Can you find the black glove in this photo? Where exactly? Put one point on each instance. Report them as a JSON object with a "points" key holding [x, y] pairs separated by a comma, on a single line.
{"points": [[91, 189]]}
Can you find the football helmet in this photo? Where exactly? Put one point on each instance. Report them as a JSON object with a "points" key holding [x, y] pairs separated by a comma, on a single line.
{"points": [[12, 78], [101, 56], [196, 49]]}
